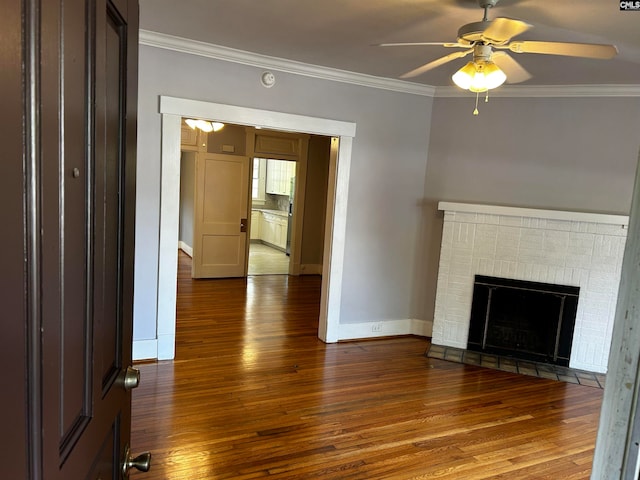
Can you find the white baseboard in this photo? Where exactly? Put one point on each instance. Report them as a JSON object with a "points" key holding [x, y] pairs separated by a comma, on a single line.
{"points": [[162, 348], [185, 248], [423, 328], [311, 269], [145, 349], [385, 328]]}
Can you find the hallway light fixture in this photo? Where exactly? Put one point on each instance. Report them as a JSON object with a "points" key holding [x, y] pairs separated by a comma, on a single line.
{"points": [[204, 125]]}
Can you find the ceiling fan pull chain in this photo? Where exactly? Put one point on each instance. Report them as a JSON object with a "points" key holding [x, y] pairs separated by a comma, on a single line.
{"points": [[475, 112], [486, 99]]}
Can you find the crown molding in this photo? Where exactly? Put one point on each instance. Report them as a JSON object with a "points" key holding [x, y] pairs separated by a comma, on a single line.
{"points": [[203, 49], [548, 91]]}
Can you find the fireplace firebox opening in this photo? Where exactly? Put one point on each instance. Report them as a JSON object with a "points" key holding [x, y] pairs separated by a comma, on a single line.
{"points": [[522, 319]]}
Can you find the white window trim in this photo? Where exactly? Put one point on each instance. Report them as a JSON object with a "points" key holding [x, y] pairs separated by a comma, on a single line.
{"points": [[261, 199]]}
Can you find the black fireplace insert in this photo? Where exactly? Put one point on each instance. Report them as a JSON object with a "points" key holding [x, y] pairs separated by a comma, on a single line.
{"points": [[522, 319]]}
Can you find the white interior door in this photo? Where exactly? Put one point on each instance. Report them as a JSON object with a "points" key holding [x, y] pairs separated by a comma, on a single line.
{"points": [[220, 215]]}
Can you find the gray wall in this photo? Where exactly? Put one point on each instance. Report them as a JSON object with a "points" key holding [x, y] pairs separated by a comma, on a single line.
{"points": [[187, 192], [315, 200], [388, 169], [557, 153]]}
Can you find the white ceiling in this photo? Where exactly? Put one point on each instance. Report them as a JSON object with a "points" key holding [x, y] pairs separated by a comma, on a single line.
{"points": [[341, 33]]}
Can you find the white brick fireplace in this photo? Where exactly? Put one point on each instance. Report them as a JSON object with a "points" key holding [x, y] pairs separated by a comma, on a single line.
{"points": [[550, 246]]}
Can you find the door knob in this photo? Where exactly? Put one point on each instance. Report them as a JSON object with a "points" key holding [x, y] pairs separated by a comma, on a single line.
{"points": [[129, 378], [142, 462]]}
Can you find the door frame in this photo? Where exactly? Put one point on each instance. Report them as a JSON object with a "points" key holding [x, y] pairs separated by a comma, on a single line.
{"points": [[172, 109]]}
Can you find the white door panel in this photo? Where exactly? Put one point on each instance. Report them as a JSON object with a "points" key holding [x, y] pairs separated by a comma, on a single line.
{"points": [[220, 213]]}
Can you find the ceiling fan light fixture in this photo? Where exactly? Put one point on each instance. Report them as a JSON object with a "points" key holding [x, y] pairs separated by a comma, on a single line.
{"points": [[479, 76], [464, 77], [494, 77]]}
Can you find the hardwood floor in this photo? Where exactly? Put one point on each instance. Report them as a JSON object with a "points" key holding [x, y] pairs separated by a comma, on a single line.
{"points": [[254, 394]]}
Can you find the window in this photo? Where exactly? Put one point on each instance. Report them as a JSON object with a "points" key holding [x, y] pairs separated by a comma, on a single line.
{"points": [[258, 180]]}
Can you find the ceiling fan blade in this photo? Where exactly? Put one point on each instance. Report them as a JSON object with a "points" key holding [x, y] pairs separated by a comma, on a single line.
{"points": [[504, 29], [436, 63], [421, 44], [585, 50], [514, 71]]}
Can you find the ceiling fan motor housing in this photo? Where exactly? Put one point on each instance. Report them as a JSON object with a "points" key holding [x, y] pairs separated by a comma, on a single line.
{"points": [[482, 52], [487, 3], [472, 32]]}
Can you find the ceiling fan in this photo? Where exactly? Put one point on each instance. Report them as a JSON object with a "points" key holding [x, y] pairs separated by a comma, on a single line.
{"points": [[490, 68]]}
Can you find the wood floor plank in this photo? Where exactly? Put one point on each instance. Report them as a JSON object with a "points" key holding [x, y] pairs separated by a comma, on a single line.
{"points": [[254, 394]]}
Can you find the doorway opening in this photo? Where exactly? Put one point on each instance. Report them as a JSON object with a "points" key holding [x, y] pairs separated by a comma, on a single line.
{"points": [[237, 187], [172, 110], [272, 205], [244, 208]]}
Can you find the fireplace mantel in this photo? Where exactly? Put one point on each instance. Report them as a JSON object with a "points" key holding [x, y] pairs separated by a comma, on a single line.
{"points": [[561, 247], [569, 216]]}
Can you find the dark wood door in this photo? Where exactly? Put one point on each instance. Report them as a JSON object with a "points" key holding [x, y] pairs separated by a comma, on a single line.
{"points": [[72, 231]]}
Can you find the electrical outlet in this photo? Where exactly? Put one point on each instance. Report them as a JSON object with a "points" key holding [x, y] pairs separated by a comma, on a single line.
{"points": [[376, 327]]}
